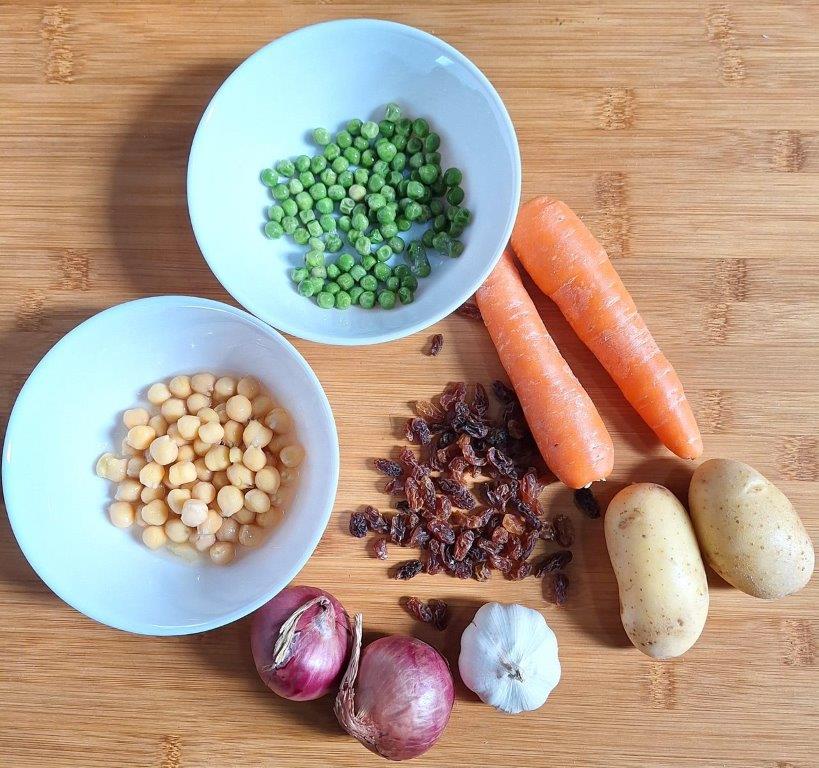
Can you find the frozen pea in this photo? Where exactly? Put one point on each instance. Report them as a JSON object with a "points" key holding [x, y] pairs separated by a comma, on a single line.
{"points": [[401, 271], [344, 139], [298, 274], [332, 287], [314, 259], [360, 221], [273, 230], [399, 142], [340, 164], [327, 222], [376, 201], [334, 243], [354, 126], [325, 205], [286, 167], [281, 192], [321, 136], [352, 155], [420, 127], [440, 223], [389, 230], [306, 216], [375, 182], [328, 176], [346, 205], [289, 207], [301, 236], [360, 143], [455, 196], [432, 142], [304, 201], [416, 161], [355, 292], [428, 173], [367, 299], [386, 151], [368, 283], [333, 271], [344, 223], [317, 191], [362, 245], [456, 248], [318, 164], [376, 238], [413, 211], [388, 193], [314, 229], [357, 192], [392, 112], [335, 192], [269, 177], [415, 190], [360, 208], [405, 295], [361, 175], [433, 158], [386, 128], [306, 287], [325, 300], [369, 130], [357, 272], [409, 281], [441, 242], [381, 167], [393, 283], [426, 238], [320, 272], [345, 178], [403, 223], [386, 299], [381, 271], [275, 213], [345, 281], [331, 152], [404, 126], [295, 186], [290, 224], [414, 144], [353, 235], [384, 253], [343, 300], [345, 262], [307, 179], [302, 163], [368, 261]]}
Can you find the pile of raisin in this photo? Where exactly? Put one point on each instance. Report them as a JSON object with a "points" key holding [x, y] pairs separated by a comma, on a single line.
{"points": [[469, 500]]}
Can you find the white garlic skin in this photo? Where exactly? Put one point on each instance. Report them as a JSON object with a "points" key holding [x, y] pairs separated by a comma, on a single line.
{"points": [[509, 657]]}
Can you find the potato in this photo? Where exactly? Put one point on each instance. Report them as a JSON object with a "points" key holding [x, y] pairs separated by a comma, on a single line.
{"points": [[660, 575], [748, 530]]}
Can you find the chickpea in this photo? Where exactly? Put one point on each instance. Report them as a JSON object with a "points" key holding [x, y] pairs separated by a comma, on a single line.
{"points": [[127, 450], [257, 435], [240, 476], [230, 500], [239, 408], [186, 453], [177, 531], [151, 475], [164, 450], [257, 501], [207, 414], [134, 466], [229, 530], [158, 393], [177, 498], [250, 535], [235, 454], [279, 420], [194, 512], [260, 406], [173, 409], [188, 426], [288, 475], [203, 383], [221, 412], [121, 514], [211, 432], [222, 552], [203, 541], [224, 388], [268, 519], [147, 495], [248, 386], [204, 492], [212, 523], [135, 417], [202, 471], [220, 480], [154, 537], [233, 433], [200, 447], [244, 516], [180, 386], [182, 472], [267, 479], [155, 512], [254, 459], [173, 433], [158, 424], [197, 402], [291, 455], [217, 458], [140, 437]]}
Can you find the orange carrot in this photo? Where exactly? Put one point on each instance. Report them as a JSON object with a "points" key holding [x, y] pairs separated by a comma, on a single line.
{"points": [[568, 430], [573, 269]]}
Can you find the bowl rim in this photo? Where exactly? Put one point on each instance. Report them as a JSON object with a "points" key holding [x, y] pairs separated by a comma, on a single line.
{"points": [[457, 298], [14, 509]]}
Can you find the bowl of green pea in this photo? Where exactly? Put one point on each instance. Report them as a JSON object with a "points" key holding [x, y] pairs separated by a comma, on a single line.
{"points": [[354, 199]]}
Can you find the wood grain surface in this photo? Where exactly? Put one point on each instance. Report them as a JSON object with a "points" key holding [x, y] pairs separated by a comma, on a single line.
{"points": [[686, 135]]}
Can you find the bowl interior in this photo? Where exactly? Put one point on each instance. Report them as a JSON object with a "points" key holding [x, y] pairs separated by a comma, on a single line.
{"points": [[322, 76], [69, 413]]}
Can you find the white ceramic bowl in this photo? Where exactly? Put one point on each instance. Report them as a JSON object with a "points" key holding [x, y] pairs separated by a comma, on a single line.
{"points": [[324, 75], [68, 414]]}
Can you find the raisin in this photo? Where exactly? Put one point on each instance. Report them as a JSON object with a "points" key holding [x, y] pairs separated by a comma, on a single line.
{"points": [[528, 541], [463, 543], [547, 531], [414, 497], [528, 489], [513, 549], [586, 502], [394, 487], [519, 571], [557, 588], [358, 525], [453, 394], [457, 467], [402, 506], [446, 558], [526, 513], [440, 614], [488, 546], [503, 564], [433, 564], [479, 520], [463, 569], [388, 467], [513, 524], [419, 610], [375, 520], [501, 462], [443, 507], [398, 529], [500, 535], [429, 411], [458, 494], [441, 531], [420, 429], [436, 344], [556, 561], [481, 572], [380, 548], [427, 488], [564, 531], [470, 310], [418, 537], [480, 402], [408, 570]]}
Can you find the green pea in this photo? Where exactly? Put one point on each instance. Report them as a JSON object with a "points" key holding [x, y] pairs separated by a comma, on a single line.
{"points": [[302, 163], [386, 128], [331, 152], [298, 274], [362, 245], [416, 259], [392, 112], [345, 262], [405, 295], [368, 261], [318, 272], [436, 207], [326, 300], [318, 164], [441, 242], [289, 207], [340, 164], [357, 192], [404, 126], [381, 167], [385, 214], [286, 167], [416, 161], [392, 283], [455, 196], [428, 173], [414, 144], [415, 190], [327, 222], [432, 142], [387, 151], [328, 177], [332, 287], [275, 213], [384, 253], [343, 300], [413, 211], [301, 236], [404, 224], [432, 158], [290, 224], [355, 293], [314, 228], [381, 271], [361, 175], [269, 177], [353, 235], [335, 192], [325, 205], [345, 178], [401, 271], [455, 229], [367, 299], [369, 130], [334, 243], [321, 136], [333, 271], [420, 127], [307, 179], [307, 215], [376, 238], [281, 192], [402, 187], [344, 139], [409, 281], [346, 205], [400, 142], [360, 221], [438, 187], [318, 191], [398, 163], [426, 238], [389, 230], [360, 143], [345, 281], [376, 201], [351, 155], [375, 182], [344, 223], [295, 186], [396, 244], [354, 126], [316, 245], [440, 223], [456, 248], [306, 287], [388, 193], [368, 283], [273, 230], [386, 299], [357, 272], [394, 178]]}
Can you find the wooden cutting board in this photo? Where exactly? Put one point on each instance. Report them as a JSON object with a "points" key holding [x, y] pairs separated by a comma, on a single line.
{"points": [[686, 135]]}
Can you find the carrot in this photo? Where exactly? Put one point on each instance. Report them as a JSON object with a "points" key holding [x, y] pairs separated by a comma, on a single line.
{"points": [[568, 430], [573, 269]]}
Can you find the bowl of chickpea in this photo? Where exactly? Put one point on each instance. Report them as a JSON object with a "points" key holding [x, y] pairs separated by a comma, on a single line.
{"points": [[198, 465]]}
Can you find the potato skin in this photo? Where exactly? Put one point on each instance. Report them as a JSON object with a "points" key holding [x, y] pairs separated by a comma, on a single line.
{"points": [[748, 530], [660, 575]]}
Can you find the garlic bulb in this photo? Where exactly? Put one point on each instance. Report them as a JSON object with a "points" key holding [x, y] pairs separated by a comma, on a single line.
{"points": [[509, 657]]}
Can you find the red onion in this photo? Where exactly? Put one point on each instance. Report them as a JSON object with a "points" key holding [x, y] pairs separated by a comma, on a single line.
{"points": [[403, 699], [300, 642]]}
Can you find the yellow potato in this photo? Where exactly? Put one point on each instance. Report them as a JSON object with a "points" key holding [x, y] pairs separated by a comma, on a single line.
{"points": [[660, 575], [748, 530]]}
